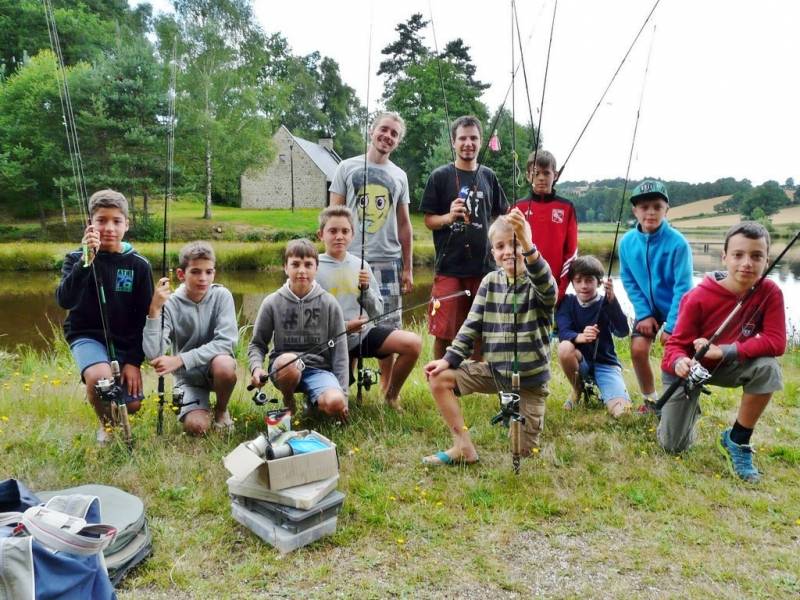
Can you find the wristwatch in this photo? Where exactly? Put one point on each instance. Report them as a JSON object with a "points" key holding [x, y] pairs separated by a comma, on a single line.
{"points": [[531, 252]]}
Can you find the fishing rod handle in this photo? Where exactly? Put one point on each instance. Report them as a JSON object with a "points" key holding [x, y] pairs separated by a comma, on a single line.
{"points": [[262, 379]]}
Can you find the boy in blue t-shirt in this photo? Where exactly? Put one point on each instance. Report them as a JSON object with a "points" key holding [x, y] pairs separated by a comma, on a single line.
{"points": [[656, 270], [585, 322]]}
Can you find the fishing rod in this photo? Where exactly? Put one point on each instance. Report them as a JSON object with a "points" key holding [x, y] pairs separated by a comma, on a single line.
{"points": [[603, 301], [608, 87], [108, 389], [441, 83], [536, 133], [167, 196], [698, 374], [364, 379], [331, 342]]}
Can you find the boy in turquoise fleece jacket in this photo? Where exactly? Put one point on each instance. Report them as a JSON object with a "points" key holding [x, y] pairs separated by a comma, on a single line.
{"points": [[656, 271]]}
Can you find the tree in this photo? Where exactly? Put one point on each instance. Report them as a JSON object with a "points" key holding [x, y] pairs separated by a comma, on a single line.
{"points": [[84, 28], [33, 150], [407, 50], [768, 198], [414, 89], [222, 55], [418, 97], [789, 183], [124, 122]]}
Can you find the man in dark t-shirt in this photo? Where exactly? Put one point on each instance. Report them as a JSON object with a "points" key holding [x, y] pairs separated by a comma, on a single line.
{"points": [[460, 202]]}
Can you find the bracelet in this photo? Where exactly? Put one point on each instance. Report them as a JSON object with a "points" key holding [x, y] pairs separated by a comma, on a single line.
{"points": [[531, 252]]}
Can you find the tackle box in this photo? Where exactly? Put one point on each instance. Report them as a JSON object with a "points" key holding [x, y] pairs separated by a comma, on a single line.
{"points": [[281, 539], [295, 520]]}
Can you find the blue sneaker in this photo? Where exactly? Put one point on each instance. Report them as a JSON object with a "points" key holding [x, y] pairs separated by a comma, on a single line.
{"points": [[739, 458]]}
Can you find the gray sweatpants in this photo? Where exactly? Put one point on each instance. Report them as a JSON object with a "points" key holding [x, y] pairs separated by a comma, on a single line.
{"points": [[676, 430]]}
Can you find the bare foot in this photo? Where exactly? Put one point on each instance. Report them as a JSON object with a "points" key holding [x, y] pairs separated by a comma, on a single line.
{"points": [[394, 403], [453, 456]]}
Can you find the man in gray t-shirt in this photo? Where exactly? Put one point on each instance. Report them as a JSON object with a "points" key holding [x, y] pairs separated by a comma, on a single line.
{"points": [[383, 207], [387, 232]]}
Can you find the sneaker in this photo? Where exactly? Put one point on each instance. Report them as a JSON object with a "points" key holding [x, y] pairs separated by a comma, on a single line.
{"points": [[572, 401], [740, 458], [648, 407]]}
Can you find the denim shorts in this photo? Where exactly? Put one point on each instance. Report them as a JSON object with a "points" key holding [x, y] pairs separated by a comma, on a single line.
{"points": [[315, 382], [88, 352], [608, 378]]}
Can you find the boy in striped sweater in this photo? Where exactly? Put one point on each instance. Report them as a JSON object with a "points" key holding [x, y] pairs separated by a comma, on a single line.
{"points": [[532, 297]]}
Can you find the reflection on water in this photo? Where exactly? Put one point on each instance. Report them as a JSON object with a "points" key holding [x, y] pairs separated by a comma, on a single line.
{"points": [[28, 306]]}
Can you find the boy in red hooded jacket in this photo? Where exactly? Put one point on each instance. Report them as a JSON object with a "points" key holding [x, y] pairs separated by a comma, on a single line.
{"points": [[743, 356]]}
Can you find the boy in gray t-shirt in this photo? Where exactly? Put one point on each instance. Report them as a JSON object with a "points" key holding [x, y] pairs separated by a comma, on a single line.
{"points": [[342, 274]]}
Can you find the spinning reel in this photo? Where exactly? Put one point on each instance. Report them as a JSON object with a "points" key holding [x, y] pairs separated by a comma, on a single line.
{"points": [[368, 377], [698, 375], [110, 390]]}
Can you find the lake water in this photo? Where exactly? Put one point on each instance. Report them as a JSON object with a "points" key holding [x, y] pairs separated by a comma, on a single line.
{"points": [[28, 306]]}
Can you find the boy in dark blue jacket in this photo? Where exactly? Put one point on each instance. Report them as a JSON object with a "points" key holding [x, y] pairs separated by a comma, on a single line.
{"points": [[126, 280], [656, 270], [585, 322]]}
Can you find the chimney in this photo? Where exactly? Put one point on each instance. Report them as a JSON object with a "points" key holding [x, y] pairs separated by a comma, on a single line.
{"points": [[326, 143]]}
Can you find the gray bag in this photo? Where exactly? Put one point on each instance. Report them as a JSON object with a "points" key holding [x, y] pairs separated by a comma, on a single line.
{"points": [[125, 512]]}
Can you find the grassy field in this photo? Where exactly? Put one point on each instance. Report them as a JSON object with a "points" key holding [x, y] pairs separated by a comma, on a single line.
{"points": [[600, 512]]}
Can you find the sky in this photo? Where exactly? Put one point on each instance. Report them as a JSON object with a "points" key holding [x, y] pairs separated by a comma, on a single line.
{"points": [[720, 98]]}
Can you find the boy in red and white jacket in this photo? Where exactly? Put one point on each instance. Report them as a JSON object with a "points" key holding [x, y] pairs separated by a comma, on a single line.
{"points": [[552, 218], [743, 356]]}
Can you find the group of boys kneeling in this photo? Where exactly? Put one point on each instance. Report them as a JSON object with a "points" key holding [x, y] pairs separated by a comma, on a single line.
{"points": [[315, 323]]}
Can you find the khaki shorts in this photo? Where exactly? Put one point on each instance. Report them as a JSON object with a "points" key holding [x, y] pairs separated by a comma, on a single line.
{"points": [[476, 378]]}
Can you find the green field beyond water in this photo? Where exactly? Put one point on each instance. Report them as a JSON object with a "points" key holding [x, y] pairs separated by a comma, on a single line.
{"points": [[599, 512]]}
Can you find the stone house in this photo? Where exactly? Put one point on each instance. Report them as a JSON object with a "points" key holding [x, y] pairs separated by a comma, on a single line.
{"points": [[300, 168]]}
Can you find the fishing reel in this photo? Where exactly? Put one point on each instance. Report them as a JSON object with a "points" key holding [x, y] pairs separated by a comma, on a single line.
{"points": [[368, 377], [109, 389], [260, 397], [697, 376], [178, 394], [509, 409]]}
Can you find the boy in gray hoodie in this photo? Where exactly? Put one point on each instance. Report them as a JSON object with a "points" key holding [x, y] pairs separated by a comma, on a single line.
{"points": [[200, 329], [305, 326]]}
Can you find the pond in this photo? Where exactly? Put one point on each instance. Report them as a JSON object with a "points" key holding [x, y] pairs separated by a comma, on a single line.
{"points": [[28, 309]]}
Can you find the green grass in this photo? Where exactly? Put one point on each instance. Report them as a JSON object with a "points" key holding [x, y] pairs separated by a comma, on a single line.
{"points": [[601, 511]]}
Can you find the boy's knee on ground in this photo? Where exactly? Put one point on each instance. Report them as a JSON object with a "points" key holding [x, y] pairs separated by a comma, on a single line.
{"points": [[332, 402], [532, 408], [196, 422]]}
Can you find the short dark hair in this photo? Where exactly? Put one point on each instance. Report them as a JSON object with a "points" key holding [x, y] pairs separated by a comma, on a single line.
{"points": [[301, 248], [195, 251], [749, 229], [335, 210], [465, 121], [544, 158], [108, 199], [586, 265]]}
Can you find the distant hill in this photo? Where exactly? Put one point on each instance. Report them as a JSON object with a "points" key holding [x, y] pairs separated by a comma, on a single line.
{"points": [[701, 214]]}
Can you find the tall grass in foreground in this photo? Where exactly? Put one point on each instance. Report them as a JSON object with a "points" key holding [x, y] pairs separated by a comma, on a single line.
{"points": [[601, 511]]}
